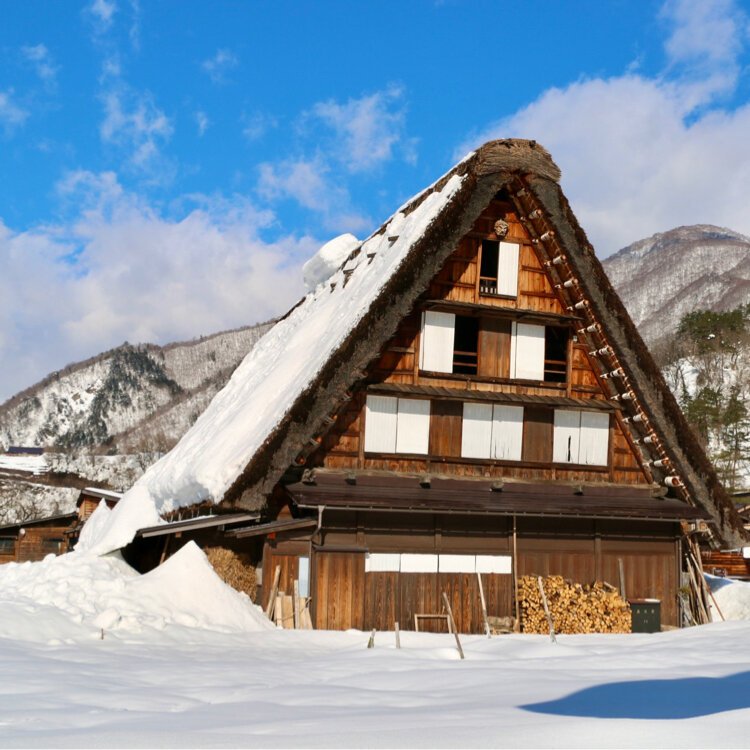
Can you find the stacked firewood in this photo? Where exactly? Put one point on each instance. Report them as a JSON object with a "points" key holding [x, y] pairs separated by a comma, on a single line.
{"points": [[594, 608]]}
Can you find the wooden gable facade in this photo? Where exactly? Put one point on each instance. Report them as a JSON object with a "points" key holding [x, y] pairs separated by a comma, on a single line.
{"points": [[483, 439]]}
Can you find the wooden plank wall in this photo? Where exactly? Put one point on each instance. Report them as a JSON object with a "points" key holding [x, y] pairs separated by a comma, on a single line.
{"points": [[41, 541]]}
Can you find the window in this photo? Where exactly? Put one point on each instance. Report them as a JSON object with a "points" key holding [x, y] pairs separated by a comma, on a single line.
{"points": [[498, 270], [379, 562], [397, 425], [555, 354], [581, 437], [527, 351], [450, 343], [492, 431]]}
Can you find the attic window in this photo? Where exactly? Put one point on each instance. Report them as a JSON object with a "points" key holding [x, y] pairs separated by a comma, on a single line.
{"points": [[450, 343], [396, 425], [555, 354], [581, 437], [498, 269]]}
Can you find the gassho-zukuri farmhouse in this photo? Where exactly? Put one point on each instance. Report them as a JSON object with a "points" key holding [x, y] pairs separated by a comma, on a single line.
{"points": [[462, 393]]}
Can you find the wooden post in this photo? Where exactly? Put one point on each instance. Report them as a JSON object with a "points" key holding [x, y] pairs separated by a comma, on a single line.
{"points": [[279, 611], [515, 573], [622, 579], [484, 605], [296, 604], [371, 642], [453, 623], [398, 636], [272, 594], [552, 635]]}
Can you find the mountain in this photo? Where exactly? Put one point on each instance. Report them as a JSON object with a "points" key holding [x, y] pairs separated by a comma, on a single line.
{"points": [[672, 273], [127, 400]]}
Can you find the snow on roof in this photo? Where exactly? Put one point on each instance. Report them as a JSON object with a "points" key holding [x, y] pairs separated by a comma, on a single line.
{"points": [[214, 452]]}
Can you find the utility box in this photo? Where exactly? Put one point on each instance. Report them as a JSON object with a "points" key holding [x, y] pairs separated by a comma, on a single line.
{"points": [[646, 615]]}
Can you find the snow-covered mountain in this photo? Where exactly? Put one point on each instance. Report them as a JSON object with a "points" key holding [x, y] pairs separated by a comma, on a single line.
{"points": [[671, 273], [130, 399]]}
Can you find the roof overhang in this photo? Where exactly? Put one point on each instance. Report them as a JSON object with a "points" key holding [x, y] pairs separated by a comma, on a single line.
{"points": [[470, 497], [196, 524]]}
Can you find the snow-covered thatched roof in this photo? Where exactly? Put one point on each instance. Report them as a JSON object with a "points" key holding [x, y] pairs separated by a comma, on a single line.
{"points": [[299, 373]]}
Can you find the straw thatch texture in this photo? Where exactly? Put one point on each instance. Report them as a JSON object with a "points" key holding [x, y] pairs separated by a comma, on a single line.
{"points": [[232, 570]]}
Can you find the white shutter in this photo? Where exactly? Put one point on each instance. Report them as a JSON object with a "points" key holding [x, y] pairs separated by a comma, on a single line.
{"points": [[303, 576], [528, 347], [594, 445], [415, 563], [507, 432], [382, 562], [507, 269], [380, 424], [436, 347], [494, 564], [566, 436], [456, 564], [413, 431], [476, 430]]}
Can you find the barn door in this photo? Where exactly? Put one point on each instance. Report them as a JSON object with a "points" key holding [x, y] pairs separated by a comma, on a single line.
{"points": [[338, 590]]}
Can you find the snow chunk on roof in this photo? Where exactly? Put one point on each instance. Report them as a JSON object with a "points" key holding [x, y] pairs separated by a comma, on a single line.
{"points": [[221, 443], [327, 260]]}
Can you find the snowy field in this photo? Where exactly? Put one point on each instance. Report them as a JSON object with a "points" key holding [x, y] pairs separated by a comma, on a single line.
{"points": [[187, 662]]}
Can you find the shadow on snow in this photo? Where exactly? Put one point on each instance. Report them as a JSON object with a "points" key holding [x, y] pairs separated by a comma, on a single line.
{"points": [[683, 698]]}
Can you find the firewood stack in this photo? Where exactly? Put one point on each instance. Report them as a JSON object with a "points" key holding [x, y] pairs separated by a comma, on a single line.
{"points": [[594, 608]]}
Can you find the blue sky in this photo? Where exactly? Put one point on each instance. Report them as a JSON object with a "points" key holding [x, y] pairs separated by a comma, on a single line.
{"points": [[168, 166]]}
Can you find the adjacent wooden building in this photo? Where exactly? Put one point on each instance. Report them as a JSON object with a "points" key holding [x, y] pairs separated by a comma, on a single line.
{"points": [[483, 405]]}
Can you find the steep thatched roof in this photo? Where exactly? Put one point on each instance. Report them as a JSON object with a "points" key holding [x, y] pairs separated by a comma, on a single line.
{"points": [[297, 375]]}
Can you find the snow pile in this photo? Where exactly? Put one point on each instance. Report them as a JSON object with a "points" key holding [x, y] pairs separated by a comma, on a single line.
{"points": [[733, 598], [77, 594], [213, 453], [327, 260]]}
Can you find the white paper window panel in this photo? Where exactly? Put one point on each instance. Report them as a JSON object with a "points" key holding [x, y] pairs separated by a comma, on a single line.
{"points": [[457, 564], [381, 416], [304, 576], [507, 432], [527, 351], [413, 430], [379, 562], [567, 431], [476, 430], [416, 563], [437, 341], [507, 269], [502, 564], [594, 441]]}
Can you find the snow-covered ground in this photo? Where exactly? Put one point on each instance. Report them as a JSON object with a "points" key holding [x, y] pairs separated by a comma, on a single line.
{"points": [[187, 662]]}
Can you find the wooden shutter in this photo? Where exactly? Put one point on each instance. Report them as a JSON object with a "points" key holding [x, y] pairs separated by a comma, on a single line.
{"points": [[413, 431], [476, 430], [507, 269], [594, 443], [436, 347], [566, 436], [494, 347], [527, 351], [507, 432], [380, 424]]}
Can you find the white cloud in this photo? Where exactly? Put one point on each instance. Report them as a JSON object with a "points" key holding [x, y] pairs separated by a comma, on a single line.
{"points": [[12, 115], [123, 271], [103, 12], [309, 182], [220, 64], [366, 131], [202, 121], [40, 57], [133, 122], [257, 125], [641, 155]]}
